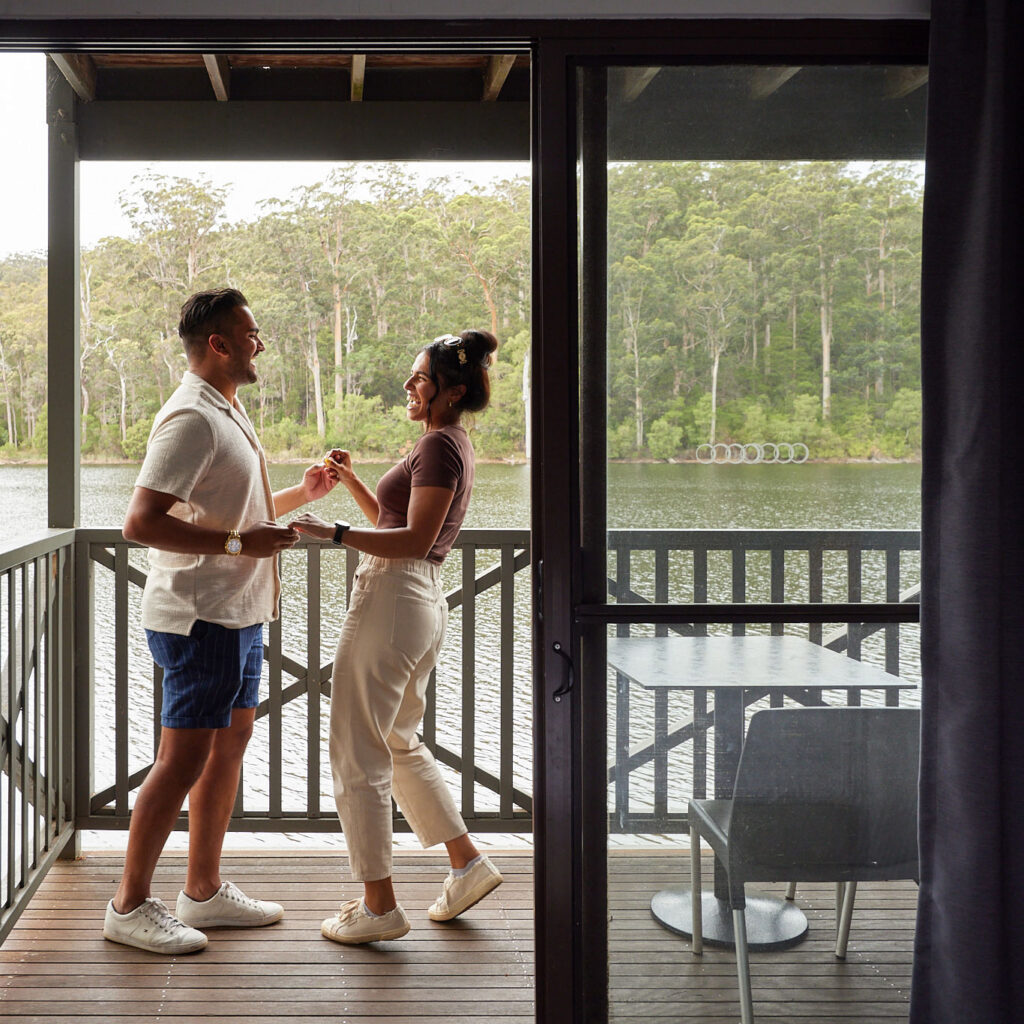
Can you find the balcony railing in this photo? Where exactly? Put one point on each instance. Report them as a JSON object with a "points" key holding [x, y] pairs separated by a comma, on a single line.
{"points": [[36, 707], [660, 746], [81, 696]]}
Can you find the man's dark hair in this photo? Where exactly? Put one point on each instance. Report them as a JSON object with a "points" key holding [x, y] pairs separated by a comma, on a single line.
{"points": [[204, 314]]}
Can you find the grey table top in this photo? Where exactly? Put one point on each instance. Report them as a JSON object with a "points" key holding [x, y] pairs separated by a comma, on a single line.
{"points": [[742, 662]]}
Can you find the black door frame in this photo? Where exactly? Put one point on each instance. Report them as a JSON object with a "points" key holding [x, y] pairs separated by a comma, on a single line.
{"points": [[568, 476]]}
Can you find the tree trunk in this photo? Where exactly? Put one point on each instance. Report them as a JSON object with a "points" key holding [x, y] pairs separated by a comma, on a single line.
{"points": [[825, 304], [638, 398], [124, 404], [714, 393], [339, 379], [488, 297], [313, 362], [12, 423], [527, 432], [351, 336]]}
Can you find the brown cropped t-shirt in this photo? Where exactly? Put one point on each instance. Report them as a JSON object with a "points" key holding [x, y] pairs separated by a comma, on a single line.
{"points": [[440, 458]]}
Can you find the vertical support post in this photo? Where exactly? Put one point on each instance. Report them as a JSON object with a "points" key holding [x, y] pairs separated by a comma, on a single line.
{"points": [[468, 680], [65, 764], [64, 401], [78, 690], [892, 631], [558, 887], [274, 657], [313, 576], [592, 154], [507, 685], [121, 719], [854, 630]]}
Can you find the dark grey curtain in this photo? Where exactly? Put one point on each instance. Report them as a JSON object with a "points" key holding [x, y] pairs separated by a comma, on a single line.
{"points": [[969, 958]]}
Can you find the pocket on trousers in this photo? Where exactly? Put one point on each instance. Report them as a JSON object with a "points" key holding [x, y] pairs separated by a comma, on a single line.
{"points": [[414, 627]]}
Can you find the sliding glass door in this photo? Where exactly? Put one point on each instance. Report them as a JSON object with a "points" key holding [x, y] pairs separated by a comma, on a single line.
{"points": [[744, 519]]}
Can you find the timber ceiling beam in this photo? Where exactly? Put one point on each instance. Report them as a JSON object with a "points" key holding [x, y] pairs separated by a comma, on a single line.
{"points": [[497, 71], [358, 77], [765, 81], [635, 81], [219, 70], [900, 82], [80, 71]]}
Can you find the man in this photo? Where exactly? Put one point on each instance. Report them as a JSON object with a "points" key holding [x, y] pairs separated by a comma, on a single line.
{"points": [[203, 504]]}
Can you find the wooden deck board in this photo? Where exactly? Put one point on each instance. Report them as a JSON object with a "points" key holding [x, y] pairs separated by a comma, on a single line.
{"points": [[56, 967]]}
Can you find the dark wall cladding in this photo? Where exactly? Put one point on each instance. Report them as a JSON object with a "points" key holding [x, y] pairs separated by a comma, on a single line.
{"points": [[819, 113]]}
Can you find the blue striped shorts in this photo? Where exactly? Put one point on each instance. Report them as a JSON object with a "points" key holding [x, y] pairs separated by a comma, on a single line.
{"points": [[207, 673]]}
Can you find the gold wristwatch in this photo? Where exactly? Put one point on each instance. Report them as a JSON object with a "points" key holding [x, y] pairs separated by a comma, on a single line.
{"points": [[233, 545]]}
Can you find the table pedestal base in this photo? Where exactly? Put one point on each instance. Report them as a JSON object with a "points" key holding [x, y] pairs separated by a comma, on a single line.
{"points": [[771, 923]]}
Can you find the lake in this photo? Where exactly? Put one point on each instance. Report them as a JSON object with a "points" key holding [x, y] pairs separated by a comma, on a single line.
{"points": [[683, 496]]}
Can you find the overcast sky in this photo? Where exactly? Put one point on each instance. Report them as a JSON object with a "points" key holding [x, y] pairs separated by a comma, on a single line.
{"points": [[23, 170]]}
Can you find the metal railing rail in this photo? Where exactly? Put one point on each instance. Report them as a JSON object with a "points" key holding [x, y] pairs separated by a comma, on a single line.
{"points": [[36, 735], [782, 548]]}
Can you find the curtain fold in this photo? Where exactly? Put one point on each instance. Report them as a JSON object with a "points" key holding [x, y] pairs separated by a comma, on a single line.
{"points": [[970, 931]]}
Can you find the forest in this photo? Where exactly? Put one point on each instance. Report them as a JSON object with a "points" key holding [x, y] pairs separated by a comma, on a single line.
{"points": [[747, 302]]}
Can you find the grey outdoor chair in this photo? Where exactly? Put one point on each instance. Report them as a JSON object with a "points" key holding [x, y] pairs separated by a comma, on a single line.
{"points": [[821, 795]]}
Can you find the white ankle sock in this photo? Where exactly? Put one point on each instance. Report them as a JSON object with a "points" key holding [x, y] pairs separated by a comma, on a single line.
{"points": [[459, 872], [369, 912]]}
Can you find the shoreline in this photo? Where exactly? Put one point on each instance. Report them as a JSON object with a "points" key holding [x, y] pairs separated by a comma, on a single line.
{"points": [[521, 461]]}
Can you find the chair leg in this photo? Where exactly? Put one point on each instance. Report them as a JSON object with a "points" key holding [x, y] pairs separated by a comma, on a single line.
{"points": [[696, 903], [791, 891], [739, 928], [844, 920]]}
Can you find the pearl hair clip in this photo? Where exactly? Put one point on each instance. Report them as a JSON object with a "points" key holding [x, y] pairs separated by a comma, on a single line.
{"points": [[450, 340]]}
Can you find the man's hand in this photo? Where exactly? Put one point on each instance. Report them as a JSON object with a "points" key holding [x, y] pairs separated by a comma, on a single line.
{"points": [[264, 540], [317, 481]]}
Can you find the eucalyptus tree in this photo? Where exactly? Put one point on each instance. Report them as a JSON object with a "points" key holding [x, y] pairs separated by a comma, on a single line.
{"points": [[643, 201], [331, 213], [292, 304]]}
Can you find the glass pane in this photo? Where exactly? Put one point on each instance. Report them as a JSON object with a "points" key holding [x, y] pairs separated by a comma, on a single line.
{"points": [[762, 439]]}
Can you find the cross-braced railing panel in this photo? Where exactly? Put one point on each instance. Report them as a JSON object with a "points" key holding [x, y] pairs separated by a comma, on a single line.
{"points": [[35, 722], [488, 600]]}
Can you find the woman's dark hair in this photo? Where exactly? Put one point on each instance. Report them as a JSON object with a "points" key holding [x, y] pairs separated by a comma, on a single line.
{"points": [[205, 313], [463, 359]]}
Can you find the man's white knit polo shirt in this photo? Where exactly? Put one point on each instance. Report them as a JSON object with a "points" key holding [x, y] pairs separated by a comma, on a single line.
{"points": [[204, 451]]}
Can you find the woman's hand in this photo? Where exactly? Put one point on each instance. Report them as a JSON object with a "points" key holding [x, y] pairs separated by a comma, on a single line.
{"points": [[339, 461], [312, 526]]}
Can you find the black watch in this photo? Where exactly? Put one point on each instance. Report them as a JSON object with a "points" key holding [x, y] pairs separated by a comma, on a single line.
{"points": [[340, 526]]}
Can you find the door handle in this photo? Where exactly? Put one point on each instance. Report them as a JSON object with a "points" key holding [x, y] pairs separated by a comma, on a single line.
{"points": [[570, 679]]}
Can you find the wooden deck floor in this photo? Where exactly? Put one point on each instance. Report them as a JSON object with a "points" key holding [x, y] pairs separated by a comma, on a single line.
{"points": [[55, 965]]}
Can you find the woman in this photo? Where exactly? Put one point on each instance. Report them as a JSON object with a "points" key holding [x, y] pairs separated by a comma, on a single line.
{"points": [[390, 642]]}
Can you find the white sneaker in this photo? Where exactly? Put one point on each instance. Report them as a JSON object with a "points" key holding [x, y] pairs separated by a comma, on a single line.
{"points": [[464, 891], [228, 907], [151, 926], [352, 925]]}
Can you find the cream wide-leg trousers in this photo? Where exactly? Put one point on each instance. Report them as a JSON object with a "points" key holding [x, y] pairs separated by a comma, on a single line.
{"points": [[389, 643]]}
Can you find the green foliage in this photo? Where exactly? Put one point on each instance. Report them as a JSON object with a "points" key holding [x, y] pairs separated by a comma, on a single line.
{"points": [[134, 444], [747, 301], [368, 428], [664, 439]]}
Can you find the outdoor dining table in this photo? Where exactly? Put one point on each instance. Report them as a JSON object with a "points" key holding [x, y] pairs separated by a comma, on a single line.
{"points": [[731, 665]]}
